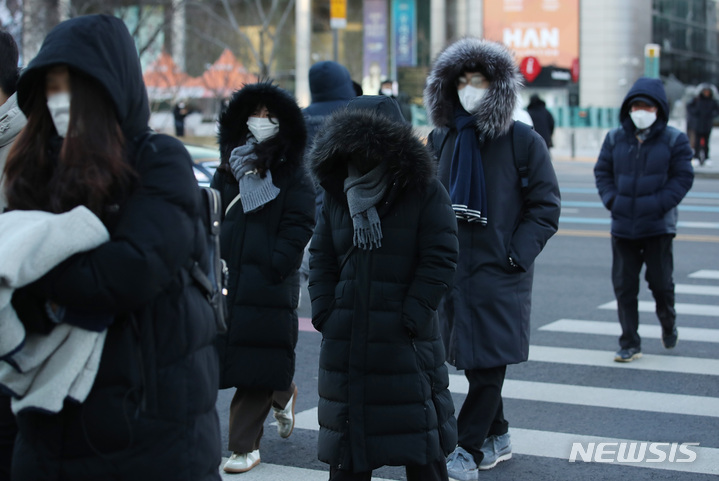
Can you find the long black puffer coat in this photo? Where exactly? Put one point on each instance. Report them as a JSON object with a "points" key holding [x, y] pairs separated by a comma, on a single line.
{"points": [[263, 249], [152, 407], [485, 317], [383, 384]]}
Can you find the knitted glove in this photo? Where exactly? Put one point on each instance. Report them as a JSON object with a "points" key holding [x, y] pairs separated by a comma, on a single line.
{"points": [[242, 159]]}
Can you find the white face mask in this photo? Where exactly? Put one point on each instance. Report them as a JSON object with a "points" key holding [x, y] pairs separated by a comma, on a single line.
{"points": [[643, 119], [59, 107], [470, 98], [262, 128], [387, 92]]}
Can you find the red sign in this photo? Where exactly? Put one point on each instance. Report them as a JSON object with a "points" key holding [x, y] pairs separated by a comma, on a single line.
{"points": [[530, 68], [575, 70]]}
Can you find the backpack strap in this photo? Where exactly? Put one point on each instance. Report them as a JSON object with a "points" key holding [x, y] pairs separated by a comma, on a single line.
{"points": [[612, 135], [673, 134], [520, 147]]}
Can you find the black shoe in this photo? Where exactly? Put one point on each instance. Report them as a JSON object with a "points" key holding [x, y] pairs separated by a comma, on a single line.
{"points": [[628, 355], [670, 340]]}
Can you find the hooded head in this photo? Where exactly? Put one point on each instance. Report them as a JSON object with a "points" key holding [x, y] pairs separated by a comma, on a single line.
{"points": [[369, 131], [100, 47], [651, 92], [495, 63], [330, 81], [290, 141]]}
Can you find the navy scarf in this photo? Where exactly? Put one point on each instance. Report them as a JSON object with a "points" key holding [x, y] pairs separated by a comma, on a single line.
{"points": [[466, 174]]}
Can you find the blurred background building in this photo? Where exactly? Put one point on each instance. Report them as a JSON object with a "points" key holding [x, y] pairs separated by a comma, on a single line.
{"points": [[581, 56]]}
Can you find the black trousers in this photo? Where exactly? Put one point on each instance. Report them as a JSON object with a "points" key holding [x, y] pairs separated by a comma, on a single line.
{"points": [[628, 257], [8, 432], [699, 138], [482, 413], [436, 471]]}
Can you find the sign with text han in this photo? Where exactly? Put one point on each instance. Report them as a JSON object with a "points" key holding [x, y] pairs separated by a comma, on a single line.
{"points": [[546, 30], [338, 13]]}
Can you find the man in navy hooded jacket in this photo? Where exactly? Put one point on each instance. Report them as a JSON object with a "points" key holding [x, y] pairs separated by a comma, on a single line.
{"points": [[643, 172]]}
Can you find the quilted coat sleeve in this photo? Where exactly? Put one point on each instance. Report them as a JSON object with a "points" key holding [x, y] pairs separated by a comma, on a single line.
{"points": [[324, 274], [153, 239], [296, 224], [680, 176], [438, 251], [604, 174], [540, 218]]}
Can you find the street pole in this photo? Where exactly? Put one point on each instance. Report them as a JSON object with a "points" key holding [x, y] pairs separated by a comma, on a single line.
{"points": [[335, 45], [303, 49]]}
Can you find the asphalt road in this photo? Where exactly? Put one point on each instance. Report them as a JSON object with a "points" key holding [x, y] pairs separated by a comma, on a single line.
{"points": [[571, 391]]}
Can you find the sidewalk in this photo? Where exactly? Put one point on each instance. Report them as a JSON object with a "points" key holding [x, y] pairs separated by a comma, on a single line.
{"points": [[590, 155]]}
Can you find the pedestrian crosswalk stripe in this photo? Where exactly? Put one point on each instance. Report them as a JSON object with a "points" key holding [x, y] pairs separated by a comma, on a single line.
{"points": [[705, 274], [697, 290], [649, 362], [273, 472], [648, 331], [658, 402], [607, 221], [550, 444], [681, 308], [599, 205]]}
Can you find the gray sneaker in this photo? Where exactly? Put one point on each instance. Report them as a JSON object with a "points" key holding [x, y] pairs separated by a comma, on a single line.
{"points": [[495, 450], [461, 466]]}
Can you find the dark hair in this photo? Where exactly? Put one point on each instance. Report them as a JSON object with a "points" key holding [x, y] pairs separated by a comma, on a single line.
{"points": [[90, 170], [8, 63]]}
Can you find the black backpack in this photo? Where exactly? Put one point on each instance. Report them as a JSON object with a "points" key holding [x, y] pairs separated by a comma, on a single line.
{"points": [[211, 276]]}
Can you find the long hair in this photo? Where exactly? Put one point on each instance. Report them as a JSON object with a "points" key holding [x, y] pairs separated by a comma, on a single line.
{"points": [[90, 168]]}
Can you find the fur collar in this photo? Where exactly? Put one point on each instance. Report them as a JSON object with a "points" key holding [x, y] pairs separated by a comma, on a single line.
{"points": [[288, 144], [494, 116], [358, 134]]}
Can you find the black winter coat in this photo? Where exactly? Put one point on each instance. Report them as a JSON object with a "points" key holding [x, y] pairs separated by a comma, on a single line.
{"points": [[263, 249], [383, 384], [542, 119], [485, 317], [702, 111], [152, 405], [642, 183]]}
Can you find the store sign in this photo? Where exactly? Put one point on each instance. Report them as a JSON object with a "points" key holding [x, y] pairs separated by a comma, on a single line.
{"points": [[376, 45], [530, 68], [405, 32], [547, 30], [338, 13]]}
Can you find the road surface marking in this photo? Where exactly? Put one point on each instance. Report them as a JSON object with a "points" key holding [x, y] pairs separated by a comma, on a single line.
{"points": [[647, 331], [681, 308]]}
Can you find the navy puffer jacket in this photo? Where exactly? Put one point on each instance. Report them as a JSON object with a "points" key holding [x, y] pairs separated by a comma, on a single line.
{"points": [[642, 183]]}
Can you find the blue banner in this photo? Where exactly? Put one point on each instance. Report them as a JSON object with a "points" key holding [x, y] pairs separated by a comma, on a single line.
{"points": [[405, 32]]}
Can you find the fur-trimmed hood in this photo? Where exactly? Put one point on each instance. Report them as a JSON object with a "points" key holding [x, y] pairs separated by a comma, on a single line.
{"points": [[493, 60], [288, 144], [371, 128]]}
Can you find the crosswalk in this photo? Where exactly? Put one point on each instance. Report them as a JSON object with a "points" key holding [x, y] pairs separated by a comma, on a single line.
{"points": [[561, 445]]}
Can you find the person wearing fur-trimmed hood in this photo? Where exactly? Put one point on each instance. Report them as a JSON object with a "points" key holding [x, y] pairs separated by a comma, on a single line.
{"points": [[383, 254], [470, 95], [268, 201]]}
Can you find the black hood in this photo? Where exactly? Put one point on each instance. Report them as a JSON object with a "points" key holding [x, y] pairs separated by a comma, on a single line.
{"points": [[493, 60], [651, 88], [330, 81], [101, 47], [371, 126], [288, 144]]}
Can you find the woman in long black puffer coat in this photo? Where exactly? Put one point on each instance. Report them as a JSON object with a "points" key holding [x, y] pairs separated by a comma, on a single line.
{"points": [[383, 255], [268, 200]]}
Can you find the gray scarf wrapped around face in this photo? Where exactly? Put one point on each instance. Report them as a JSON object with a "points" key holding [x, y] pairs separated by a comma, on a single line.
{"points": [[364, 192], [255, 191]]}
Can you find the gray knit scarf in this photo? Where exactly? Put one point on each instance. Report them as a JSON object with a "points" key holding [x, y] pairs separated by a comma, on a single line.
{"points": [[364, 192]]}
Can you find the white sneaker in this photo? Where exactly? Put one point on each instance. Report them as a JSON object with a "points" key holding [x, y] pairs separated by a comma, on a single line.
{"points": [[695, 162], [286, 417], [241, 463]]}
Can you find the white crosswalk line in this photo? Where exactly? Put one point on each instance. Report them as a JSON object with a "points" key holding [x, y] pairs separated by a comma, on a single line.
{"points": [[681, 308], [649, 362], [600, 397], [559, 445], [648, 331], [275, 472], [696, 290], [705, 274]]}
